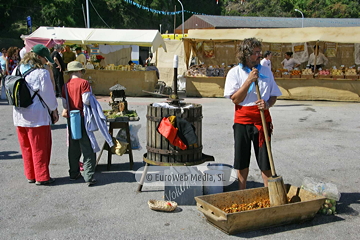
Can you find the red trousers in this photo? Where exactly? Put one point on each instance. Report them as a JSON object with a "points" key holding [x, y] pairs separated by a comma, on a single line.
{"points": [[35, 144]]}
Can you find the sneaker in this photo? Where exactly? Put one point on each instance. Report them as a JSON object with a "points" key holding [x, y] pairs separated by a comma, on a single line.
{"points": [[75, 178], [91, 182], [51, 180], [31, 180]]}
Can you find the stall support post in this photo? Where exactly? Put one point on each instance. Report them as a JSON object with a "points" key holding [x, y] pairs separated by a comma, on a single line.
{"points": [[175, 75]]}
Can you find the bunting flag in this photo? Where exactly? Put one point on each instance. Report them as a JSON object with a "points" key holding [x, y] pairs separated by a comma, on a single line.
{"points": [[160, 12]]}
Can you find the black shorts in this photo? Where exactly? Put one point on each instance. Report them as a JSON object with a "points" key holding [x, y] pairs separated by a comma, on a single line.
{"points": [[244, 134]]}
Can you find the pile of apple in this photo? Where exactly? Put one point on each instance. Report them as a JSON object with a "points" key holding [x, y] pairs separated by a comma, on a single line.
{"points": [[307, 71], [336, 72], [350, 72], [325, 72], [329, 207]]}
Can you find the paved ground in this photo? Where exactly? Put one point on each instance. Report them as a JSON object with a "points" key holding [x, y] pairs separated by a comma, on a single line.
{"points": [[311, 139]]}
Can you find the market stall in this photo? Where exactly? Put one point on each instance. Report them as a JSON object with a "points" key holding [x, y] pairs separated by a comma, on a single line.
{"points": [[216, 51], [134, 79]]}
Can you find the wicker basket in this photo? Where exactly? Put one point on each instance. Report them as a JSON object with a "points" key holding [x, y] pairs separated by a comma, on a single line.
{"points": [[161, 205]]}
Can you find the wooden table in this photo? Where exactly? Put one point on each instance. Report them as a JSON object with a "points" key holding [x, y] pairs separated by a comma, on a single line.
{"points": [[120, 122]]}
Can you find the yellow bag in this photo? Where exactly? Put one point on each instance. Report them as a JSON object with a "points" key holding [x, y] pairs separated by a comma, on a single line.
{"points": [[119, 147]]}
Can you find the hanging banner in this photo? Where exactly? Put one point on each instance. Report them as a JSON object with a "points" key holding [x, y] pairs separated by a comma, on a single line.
{"points": [[300, 52], [275, 49], [209, 49], [330, 49], [357, 53]]}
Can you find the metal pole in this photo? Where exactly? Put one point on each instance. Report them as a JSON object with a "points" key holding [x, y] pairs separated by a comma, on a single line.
{"points": [[182, 9], [82, 6], [87, 14], [302, 16]]}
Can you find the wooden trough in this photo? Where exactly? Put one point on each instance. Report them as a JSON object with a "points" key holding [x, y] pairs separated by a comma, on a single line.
{"points": [[303, 205]]}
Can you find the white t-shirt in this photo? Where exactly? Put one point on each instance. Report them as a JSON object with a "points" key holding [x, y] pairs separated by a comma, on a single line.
{"points": [[266, 63], [36, 114], [289, 64], [236, 78]]}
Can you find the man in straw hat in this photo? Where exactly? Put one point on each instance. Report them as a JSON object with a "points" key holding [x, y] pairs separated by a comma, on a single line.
{"points": [[239, 87], [77, 96]]}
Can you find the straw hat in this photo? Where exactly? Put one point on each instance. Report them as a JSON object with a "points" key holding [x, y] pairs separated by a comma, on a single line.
{"points": [[74, 66]]}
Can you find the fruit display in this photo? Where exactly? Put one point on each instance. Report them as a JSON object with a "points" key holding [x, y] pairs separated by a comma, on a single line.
{"points": [[197, 71], [295, 72], [307, 71], [325, 72], [350, 72], [329, 207], [282, 70], [203, 70], [125, 67], [262, 203], [336, 72]]}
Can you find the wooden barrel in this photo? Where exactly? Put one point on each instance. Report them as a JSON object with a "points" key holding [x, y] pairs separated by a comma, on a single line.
{"points": [[159, 150]]}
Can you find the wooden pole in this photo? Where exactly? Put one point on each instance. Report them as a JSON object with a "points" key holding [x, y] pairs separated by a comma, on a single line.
{"points": [[263, 120], [276, 187], [316, 54]]}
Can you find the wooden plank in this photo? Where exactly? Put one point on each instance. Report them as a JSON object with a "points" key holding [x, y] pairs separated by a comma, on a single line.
{"points": [[148, 130], [184, 115], [153, 131], [199, 130], [197, 125], [158, 136], [170, 146], [190, 156], [164, 141]]}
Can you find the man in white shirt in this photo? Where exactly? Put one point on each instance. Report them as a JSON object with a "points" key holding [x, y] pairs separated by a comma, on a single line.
{"points": [[289, 63], [266, 60], [321, 60], [239, 87]]}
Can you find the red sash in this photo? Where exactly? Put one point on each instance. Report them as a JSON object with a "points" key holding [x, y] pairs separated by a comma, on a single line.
{"points": [[251, 115]]}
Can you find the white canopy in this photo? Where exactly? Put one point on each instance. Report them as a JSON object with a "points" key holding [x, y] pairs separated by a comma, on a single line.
{"points": [[85, 36], [281, 35]]}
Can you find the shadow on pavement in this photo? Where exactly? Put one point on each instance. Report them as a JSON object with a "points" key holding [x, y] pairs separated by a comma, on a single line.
{"points": [[58, 126], [343, 205], [318, 220], [291, 105], [10, 155]]}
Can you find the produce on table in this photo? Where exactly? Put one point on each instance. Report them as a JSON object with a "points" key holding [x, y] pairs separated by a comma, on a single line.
{"points": [[295, 72], [111, 114], [307, 71], [329, 207], [262, 203], [350, 72], [325, 72], [336, 72]]}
